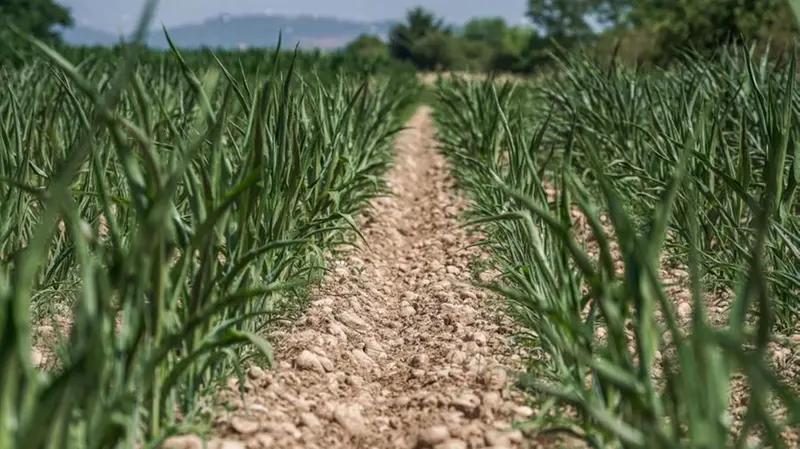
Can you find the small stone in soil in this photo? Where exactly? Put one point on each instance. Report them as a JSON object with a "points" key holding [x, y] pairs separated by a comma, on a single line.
{"points": [[309, 420], [494, 378], [256, 373], [183, 442], [307, 360], [227, 444], [419, 361], [350, 418], [408, 311], [244, 426], [452, 444], [433, 435]]}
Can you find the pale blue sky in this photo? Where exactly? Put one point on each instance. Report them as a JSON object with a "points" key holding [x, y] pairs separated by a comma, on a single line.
{"points": [[113, 15]]}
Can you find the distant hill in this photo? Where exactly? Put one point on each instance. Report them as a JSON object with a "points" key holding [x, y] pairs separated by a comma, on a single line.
{"points": [[247, 31]]}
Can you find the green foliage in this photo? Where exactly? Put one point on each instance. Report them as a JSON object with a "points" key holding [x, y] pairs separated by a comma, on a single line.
{"points": [[590, 188], [36, 17], [424, 41], [39, 18], [704, 25], [368, 47], [562, 19], [174, 208]]}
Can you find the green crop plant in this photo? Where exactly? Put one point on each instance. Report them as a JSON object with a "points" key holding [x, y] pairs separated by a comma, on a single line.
{"points": [[588, 186], [175, 207]]}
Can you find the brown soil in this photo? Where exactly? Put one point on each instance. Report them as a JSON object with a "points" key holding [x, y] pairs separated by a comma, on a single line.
{"points": [[398, 350]]}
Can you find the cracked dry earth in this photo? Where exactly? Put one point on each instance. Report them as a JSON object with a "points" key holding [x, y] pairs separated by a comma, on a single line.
{"points": [[397, 350]]}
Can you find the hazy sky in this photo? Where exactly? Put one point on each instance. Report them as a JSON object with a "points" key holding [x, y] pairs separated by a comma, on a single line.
{"points": [[112, 15]]}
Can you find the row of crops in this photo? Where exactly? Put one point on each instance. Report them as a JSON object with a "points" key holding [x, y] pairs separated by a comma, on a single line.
{"points": [[647, 230], [162, 212]]}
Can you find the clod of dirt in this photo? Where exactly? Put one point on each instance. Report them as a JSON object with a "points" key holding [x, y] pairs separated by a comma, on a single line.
{"points": [[326, 363], [307, 360], [432, 436], [265, 440], [349, 417], [456, 357], [374, 349], [503, 437], [183, 442], [466, 403], [244, 426], [361, 358], [310, 420], [492, 400], [452, 444], [494, 378], [256, 373], [355, 381], [408, 310], [523, 411], [684, 310], [479, 338], [227, 444], [36, 357], [352, 320], [419, 361]]}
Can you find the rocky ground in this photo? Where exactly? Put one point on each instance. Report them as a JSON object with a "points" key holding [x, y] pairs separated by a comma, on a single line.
{"points": [[397, 350]]}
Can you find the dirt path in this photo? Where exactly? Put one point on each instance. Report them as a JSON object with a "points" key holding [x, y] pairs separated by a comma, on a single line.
{"points": [[397, 350]]}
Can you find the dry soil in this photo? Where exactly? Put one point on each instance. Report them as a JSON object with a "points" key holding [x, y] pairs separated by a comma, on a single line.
{"points": [[397, 350]]}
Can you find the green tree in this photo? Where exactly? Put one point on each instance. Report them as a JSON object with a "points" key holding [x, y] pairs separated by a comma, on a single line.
{"points": [[563, 20], [490, 30], [704, 25], [368, 47], [424, 41], [511, 53], [37, 17]]}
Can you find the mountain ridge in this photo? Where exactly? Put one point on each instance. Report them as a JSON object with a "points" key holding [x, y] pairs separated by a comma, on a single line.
{"points": [[244, 31]]}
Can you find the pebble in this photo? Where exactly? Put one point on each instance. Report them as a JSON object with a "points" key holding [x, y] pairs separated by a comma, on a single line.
{"points": [[309, 420], [361, 358], [309, 361], [326, 363], [452, 444], [36, 357], [502, 437], [244, 426], [684, 310], [227, 444], [494, 378], [479, 338], [433, 435], [183, 442], [523, 411], [352, 320], [466, 403], [419, 361], [351, 419], [256, 373], [408, 311], [355, 381]]}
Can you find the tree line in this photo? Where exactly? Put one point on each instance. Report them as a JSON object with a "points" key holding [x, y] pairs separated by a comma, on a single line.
{"points": [[641, 30], [652, 31]]}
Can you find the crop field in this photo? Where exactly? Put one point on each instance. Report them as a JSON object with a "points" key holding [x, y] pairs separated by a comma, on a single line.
{"points": [[275, 249], [646, 228]]}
